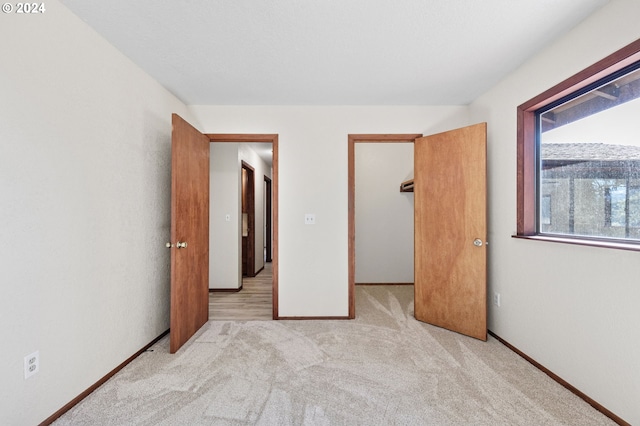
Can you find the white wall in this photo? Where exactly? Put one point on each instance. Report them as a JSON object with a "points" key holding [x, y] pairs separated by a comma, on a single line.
{"points": [[85, 186], [383, 214], [225, 267], [573, 309], [313, 277]]}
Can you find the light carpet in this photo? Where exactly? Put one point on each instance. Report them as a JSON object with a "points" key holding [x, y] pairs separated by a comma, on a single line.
{"points": [[383, 368]]}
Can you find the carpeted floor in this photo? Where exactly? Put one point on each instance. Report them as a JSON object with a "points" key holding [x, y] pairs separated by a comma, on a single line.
{"points": [[384, 368]]}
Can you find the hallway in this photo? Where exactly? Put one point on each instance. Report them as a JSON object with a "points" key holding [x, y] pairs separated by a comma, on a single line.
{"points": [[253, 302]]}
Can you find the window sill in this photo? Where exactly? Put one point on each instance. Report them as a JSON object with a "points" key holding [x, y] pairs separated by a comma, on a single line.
{"points": [[582, 242]]}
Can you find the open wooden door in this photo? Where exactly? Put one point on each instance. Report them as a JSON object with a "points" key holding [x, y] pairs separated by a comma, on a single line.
{"points": [[450, 230], [189, 231]]}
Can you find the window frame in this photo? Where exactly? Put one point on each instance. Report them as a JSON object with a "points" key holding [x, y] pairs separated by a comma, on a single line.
{"points": [[527, 147]]}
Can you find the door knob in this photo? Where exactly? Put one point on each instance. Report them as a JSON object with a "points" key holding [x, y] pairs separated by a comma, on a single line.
{"points": [[181, 244], [168, 245], [477, 242]]}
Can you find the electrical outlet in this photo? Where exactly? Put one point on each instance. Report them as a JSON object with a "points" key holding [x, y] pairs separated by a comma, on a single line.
{"points": [[31, 364], [496, 299], [309, 219]]}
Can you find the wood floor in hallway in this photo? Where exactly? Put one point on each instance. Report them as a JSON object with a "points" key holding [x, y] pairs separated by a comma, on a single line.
{"points": [[253, 302]]}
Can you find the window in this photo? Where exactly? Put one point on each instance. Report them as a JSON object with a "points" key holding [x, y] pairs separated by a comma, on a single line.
{"points": [[579, 157]]}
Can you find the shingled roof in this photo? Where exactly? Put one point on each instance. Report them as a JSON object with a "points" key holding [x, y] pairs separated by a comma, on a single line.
{"points": [[589, 152]]}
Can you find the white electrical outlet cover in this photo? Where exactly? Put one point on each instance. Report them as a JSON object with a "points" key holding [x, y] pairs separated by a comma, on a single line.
{"points": [[31, 364]]}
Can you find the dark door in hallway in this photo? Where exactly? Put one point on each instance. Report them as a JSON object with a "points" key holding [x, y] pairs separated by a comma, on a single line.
{"points": [[248, 221], [268, 218]]}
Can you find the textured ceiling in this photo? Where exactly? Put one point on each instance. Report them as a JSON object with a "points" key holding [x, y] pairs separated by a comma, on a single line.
{"points": [[330, 52]]}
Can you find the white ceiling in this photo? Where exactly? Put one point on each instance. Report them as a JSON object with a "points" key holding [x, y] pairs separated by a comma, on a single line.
{"points": [[330, 52]]}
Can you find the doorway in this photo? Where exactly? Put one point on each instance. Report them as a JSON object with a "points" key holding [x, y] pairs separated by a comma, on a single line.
{"points": [[353, 140], [449, 186], [190, 220], [257, 202]]}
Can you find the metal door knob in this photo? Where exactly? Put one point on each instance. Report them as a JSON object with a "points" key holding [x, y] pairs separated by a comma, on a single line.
{"points": [[168, 245], [477, 242], [181, 244]]}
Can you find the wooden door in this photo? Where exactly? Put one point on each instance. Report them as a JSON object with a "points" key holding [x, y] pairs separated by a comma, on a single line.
{"points": [[249, 221], [267, 219], [450, 230], [189, 231]]}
